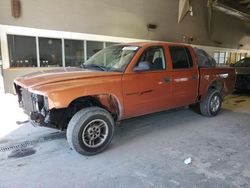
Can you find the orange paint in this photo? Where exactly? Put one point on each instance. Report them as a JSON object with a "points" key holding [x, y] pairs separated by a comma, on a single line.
{"points": [[135, 93]]}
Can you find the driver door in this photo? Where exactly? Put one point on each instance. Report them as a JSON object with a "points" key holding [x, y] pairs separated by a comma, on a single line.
{"points": [[148, 91]]}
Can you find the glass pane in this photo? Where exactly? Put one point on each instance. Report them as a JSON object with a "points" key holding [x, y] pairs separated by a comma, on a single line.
{"points": [[93, 47], [74, 52], [50, 52], [0, 51], [154, 57], [226, 58], [216, 57], [243, 55], [22, 51], [179, 58], [111, 44], [238, 57], [233, 55], [222, 58], [115, 58], [247, 62], [190, 59]]}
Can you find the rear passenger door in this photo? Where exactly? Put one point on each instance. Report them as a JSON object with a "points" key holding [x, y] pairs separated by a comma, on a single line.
{"points": [[184, 76]]}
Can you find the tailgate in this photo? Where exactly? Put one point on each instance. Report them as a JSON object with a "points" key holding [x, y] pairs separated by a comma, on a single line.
{"points": [[225, 76]]}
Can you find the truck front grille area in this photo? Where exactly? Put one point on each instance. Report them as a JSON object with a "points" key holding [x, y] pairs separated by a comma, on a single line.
{"points": [[36, 106], [30, 102], [27, 101]]}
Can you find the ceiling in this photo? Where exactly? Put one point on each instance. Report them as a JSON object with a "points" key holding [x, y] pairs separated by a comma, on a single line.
{"points": [[238, 8], [241, 5]]}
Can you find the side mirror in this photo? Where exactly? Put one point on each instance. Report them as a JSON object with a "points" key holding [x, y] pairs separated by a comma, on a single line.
{"points": [[142, 66]]}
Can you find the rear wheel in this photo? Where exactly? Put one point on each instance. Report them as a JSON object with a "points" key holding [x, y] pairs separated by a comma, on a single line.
{"points": [[90, 130], [211, 104]]}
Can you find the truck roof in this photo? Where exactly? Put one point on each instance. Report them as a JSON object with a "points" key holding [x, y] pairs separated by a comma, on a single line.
{"points": [[143, 44]]}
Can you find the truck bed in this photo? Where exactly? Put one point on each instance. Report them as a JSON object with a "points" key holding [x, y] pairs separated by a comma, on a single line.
{"points": [[224, 76]]}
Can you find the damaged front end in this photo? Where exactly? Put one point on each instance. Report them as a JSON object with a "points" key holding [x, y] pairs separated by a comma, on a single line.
{"points": [[37, 108]]}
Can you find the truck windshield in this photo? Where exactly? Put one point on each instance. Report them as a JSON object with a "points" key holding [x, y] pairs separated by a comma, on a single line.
{"points": [[114, 58]]}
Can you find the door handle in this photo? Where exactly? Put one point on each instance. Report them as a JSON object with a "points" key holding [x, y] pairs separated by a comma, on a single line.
{"points": [[166, 79], [193, 77]]}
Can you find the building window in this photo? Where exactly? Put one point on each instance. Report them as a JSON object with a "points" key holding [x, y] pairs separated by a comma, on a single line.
{"points": [[222, 58], [22, 51], [216, 57], [93, 47], [50, 51], [227, 58], [108, 44], [32, 51], [74, 52], [0, 51]]}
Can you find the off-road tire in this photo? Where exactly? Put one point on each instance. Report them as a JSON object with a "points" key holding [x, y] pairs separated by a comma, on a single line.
{"points": [[205, 104], [77, 124]]}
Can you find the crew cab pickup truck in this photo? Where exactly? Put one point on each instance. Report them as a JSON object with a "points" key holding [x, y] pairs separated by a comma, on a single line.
{"points": [[117, 83]]}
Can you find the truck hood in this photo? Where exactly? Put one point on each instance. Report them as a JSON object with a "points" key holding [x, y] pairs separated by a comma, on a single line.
{"points": [[40, 78]]}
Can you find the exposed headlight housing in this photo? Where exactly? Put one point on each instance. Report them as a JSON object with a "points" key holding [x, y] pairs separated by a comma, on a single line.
{"points": [[46, 103], [39, 102]]}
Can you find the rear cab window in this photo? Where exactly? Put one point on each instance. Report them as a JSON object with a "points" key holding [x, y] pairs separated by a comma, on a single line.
{"points": [[181, 57]]}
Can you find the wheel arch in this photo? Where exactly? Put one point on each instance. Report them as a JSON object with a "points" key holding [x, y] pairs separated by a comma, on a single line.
{"points": [[107, 101], [217, 84]]}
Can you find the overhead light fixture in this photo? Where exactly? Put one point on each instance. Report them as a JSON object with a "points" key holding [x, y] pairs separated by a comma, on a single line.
{"points": [[187, 39], [184, 8], [151, 27], [16, 8], [240, 46]]}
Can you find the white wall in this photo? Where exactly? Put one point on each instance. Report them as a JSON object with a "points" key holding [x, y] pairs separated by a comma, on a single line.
{"points": [[11, 73], [117, 21], [128, 18], [16, 30]]}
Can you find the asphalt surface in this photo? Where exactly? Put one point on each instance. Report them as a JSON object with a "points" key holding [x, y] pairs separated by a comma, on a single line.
{"points": [[148, 151]]}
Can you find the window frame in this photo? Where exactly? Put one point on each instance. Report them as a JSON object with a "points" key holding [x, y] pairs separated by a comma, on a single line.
{"points": [[89, 41], [1, 58], [8, 47], [38, 63], [164, 58], [187, 58], [64, 50]]}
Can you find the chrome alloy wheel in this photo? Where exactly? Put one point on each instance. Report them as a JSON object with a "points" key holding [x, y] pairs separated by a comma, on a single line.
{"points": [[95, 133], [215, 103]]}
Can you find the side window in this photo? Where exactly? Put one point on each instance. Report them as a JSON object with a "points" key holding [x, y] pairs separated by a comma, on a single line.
{"points": [[181, 57], [247, 62], [0, 51], [154, 56]]}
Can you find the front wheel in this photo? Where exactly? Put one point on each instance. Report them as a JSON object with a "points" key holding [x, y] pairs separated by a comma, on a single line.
{"points": [[211, 104], [90, 130]]}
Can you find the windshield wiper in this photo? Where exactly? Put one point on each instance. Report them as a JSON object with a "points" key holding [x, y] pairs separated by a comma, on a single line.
{"points": [[95, 66]]}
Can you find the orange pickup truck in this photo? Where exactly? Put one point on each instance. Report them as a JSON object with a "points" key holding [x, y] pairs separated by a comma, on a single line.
{"points": [[117, 83]]}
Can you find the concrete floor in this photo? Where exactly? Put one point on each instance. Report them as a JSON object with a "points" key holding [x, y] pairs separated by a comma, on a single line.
{"points": [[146, 152]]}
